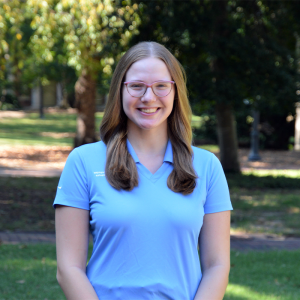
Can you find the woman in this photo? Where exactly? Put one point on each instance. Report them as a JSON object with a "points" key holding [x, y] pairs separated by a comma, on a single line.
{"points": [[146, 195]]}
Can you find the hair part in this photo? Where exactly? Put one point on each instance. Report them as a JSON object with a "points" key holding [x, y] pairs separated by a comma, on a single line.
{"points": [[120, 169]]}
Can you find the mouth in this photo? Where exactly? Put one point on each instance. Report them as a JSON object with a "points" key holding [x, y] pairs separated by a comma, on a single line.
{"points": [[149, 110]]}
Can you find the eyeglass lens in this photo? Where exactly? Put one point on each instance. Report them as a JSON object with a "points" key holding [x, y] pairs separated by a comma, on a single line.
{"points": [[160, 89]]}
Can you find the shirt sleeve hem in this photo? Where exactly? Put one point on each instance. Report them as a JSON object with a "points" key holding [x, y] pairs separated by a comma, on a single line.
{"points": [[73, 203], [218, 208]]}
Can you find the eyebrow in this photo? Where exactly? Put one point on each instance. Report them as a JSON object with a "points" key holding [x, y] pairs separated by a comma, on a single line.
{"points": [[152, 82]]}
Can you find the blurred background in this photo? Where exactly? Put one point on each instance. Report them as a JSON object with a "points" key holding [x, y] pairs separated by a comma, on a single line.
{"points": [[242, 60]]}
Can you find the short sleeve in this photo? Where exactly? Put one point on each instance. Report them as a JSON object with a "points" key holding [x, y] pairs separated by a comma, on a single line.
{"points": [[218, 197], [72, 188]]}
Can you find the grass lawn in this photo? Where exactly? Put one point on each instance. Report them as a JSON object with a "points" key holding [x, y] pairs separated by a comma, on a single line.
{"points": [[26, 204], [264, 276], [56, 129], [29, 272], [269, 211], [264, 201]]}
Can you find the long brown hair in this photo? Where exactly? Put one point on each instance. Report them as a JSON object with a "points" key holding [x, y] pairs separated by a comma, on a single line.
{"points": [[120, 168]]}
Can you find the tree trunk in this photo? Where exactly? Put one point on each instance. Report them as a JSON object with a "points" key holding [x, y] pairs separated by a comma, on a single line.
{"points": [[226, 128], [85, 102], [297, 122]]}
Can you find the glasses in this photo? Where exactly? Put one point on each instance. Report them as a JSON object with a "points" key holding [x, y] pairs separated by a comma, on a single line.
{"points": [[138, 89]]}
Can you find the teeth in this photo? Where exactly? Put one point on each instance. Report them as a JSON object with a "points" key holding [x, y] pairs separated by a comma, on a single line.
{"points": [[148, 110]]}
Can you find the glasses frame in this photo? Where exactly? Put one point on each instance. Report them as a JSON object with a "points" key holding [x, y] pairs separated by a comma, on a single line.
{"points": [[148, 86]]}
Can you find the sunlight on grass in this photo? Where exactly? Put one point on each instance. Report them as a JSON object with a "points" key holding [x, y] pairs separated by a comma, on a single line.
{"points": [[36, 142], [210, 148], [196, 121], [99, 114], [240, 292], [274, 173], [264, 275], [56, 129], [31, 130], [268, 211], [29, 272]]}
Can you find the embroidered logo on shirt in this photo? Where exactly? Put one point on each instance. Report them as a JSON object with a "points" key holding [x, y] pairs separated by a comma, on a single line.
{"points": [[59, 187], [97, 174]]}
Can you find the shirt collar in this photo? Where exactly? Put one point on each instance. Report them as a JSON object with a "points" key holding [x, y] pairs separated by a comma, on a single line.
{"points": [[132, 152], [168, 154]]}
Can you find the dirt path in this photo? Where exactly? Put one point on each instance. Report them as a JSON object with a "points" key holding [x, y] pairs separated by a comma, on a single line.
{"points": [[241, 242], [43, 161], [50, 160]]}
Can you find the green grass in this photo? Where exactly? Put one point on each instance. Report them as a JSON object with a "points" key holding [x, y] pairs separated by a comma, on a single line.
{"points": [[26, 203], [261, 204], [211, 148], [266, 211], [51, 131], [29, 272], [261, 181], [197, 121], [265, 204], [31, 130], [273, 173], [271, 275]]}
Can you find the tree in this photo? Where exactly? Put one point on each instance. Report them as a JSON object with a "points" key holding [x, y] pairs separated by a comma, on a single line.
{"points": [[18, 49], [93, 32], [14, 37], [231, 52]]}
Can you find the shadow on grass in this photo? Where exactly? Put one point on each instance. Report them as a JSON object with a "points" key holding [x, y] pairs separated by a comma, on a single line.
{"points": [[249, 181]]}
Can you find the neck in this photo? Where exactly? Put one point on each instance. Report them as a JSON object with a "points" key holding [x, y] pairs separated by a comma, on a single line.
{"points": [[151, 142]]}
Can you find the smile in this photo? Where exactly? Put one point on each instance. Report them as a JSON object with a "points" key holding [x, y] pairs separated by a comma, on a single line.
{"points": [[148, 110]]}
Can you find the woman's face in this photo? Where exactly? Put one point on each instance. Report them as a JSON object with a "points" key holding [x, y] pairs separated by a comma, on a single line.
{"points": [[149, 111]]}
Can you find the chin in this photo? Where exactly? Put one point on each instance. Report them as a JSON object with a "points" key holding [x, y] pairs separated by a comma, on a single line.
{"points": [[148, 126], [142, 125]]}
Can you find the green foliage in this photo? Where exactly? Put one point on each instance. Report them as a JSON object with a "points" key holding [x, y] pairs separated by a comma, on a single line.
{"points": [[231, 50], [51, 39], [90, 32]]}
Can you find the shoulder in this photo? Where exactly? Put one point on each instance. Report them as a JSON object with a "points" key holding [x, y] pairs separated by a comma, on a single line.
{"points": [[205, 161], [202, 155], [87, 153], [90, 150]]}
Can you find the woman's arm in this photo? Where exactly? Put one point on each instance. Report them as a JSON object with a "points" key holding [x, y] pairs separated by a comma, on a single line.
{"points": [[72, 233], [214, 245]]}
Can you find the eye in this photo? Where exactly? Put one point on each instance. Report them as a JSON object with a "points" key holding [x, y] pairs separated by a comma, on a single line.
{"points": [[162, 85], [136, 85]]}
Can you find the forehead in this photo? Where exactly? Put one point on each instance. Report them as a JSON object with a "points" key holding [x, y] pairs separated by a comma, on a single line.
{"points": [[149, 70]]}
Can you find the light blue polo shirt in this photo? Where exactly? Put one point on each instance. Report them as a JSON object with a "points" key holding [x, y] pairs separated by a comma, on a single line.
{"points": [[145, 240]]}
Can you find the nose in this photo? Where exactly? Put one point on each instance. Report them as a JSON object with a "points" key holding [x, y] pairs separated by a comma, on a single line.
{"points": [[149, 96]]}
